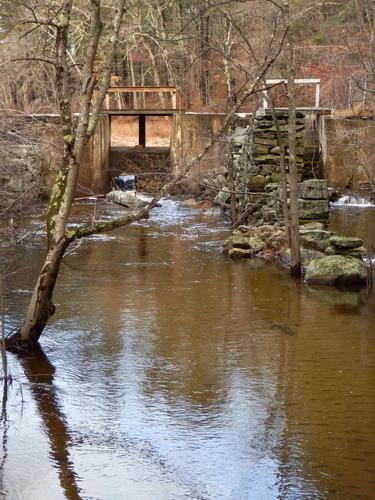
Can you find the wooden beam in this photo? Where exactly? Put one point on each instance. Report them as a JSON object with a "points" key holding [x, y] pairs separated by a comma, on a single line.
{"points": [[142, 130], [147, 112], [132, 90]]}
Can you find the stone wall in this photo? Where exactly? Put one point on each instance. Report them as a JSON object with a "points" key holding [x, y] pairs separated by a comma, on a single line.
{"points": [[257, 171], [29, 150]]}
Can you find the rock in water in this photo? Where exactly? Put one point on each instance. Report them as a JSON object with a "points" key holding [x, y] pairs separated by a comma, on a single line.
{"points": [[237, 240], [128, 199], [336, 270], [222, 196], [317, 239], [239, 253]]}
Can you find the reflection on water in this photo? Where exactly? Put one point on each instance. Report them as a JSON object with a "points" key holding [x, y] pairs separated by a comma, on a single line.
{"points": [[355, 222], [180, 375], [40, 375]]}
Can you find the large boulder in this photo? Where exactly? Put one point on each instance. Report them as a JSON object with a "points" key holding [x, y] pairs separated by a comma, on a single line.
{"points": [[336, 270]]}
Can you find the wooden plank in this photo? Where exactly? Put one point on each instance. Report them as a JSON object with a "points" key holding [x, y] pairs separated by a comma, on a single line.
{"points": [[138, 112], [132, 90]]}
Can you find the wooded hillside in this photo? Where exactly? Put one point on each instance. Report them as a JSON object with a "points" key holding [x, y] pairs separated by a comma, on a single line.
{"points": [[207, 48]]}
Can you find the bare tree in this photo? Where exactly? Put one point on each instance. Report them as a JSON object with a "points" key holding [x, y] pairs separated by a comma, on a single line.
{"points": [[76, 133]]}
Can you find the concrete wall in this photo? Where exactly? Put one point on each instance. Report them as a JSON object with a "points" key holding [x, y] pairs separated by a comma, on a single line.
{"points": [[190, 134], [348, 151], [94, 171]]}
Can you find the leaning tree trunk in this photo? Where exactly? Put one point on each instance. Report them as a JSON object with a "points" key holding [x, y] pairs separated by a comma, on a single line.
{"points": [[76, 134], [41, 307]]}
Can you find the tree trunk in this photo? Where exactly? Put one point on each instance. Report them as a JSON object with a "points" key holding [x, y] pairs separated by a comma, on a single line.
{"points": [[295, 250], [41, 307], [75, 136], [205, 55]]}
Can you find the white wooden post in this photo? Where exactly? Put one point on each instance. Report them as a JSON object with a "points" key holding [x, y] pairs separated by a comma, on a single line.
{"points": [[317, 95]]}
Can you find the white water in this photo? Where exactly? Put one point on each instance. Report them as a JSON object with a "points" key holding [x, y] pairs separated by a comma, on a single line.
{"points": [[353, 201]]}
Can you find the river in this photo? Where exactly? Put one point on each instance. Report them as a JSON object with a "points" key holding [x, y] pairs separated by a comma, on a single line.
{"points": [[169, 372]]}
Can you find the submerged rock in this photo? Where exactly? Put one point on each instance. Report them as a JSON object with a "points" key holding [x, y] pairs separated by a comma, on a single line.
{"points": [[336, 270]]}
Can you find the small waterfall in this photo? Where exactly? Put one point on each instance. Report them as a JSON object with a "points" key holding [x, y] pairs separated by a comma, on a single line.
{"points": [[353, 200]]}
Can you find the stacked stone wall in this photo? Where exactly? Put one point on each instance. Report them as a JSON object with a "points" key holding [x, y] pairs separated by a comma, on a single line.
{"points": [[256, 162]]}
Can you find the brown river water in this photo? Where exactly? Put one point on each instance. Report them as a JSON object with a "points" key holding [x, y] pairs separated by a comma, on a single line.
{"points": [[169, 372]]}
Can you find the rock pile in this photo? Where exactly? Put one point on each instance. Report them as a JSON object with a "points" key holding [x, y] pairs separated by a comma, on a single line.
{"points": [[257, 172], [256, 162], [344, 245], [250, 241], [329, 259]]}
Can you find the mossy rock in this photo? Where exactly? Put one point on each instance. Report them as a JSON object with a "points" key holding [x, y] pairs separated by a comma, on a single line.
{"points": [[313, 209], [239, 253], [256, 182], [358, 252], [313, 189], [316, 239], [336, 270], [238, 239], [345, 242]]}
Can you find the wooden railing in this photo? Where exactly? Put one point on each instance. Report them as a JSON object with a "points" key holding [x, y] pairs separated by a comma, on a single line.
{"points": [[135, 98]]}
